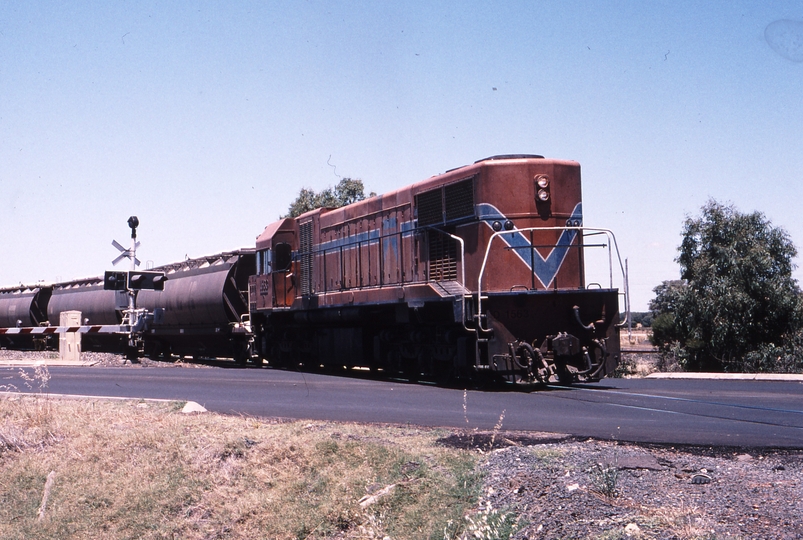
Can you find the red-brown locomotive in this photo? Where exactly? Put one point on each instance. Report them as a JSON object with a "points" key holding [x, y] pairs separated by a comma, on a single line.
{"points": [[477, 272]]}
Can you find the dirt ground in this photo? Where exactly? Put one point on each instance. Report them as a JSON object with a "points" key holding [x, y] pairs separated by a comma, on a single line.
{"points": [[604, 489]]}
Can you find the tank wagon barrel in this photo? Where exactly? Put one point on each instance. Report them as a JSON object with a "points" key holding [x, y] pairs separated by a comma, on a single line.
{"points": [[23, 307], [202, 310], [97, 306]]}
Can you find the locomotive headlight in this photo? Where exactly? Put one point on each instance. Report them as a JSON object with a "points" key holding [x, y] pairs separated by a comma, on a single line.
{"points": [[542, 180], [543, 195], [497, 226]]}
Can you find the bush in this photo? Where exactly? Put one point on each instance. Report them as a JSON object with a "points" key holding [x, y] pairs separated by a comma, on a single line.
{"points": [[737, 307]]}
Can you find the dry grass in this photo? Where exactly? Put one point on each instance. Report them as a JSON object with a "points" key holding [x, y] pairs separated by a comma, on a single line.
{"points": [[145, 470]]}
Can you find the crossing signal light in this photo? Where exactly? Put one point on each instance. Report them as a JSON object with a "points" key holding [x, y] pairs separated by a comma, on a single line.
{"points": [[134, 281], [146, 280], [115, 281]]}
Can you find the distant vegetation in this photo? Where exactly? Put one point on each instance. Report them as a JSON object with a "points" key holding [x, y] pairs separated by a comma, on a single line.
{"points": [[737, 306], [643, 318], [347, 191]]}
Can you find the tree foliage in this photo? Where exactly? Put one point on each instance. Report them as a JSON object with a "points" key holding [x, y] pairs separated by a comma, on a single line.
{"points": [[737, 307], [347, 191]]}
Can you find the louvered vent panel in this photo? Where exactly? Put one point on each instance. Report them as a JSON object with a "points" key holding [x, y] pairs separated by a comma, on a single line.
{"points": [[305, 248], [460, 200], [430, 208], [442, 257]]}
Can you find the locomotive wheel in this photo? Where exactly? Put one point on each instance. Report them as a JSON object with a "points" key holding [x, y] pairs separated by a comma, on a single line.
{"points": [[412, 369], [565, 376], [241, 353]]}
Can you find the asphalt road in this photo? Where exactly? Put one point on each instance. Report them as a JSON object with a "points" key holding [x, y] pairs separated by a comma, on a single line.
{"points": [[697, 412]]}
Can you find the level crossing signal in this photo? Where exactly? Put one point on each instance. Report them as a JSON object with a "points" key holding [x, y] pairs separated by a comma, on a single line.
{"points": [[134, 280]]}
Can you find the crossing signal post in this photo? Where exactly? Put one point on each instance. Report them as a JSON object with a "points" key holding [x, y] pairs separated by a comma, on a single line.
{"points": [[131, 282]]}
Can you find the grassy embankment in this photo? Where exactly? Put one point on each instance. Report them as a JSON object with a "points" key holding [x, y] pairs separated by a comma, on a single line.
{"points": [[145, 470]]}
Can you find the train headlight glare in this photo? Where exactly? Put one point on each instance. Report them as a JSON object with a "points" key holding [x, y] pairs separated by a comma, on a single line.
{"points": [[543, 195], [542, 180]]}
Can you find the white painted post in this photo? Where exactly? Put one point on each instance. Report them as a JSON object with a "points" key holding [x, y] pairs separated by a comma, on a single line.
{"points": [[70, 342]]}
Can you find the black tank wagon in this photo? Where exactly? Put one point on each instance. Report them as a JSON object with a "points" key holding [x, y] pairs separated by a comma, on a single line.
{"points": [[202, 310]]}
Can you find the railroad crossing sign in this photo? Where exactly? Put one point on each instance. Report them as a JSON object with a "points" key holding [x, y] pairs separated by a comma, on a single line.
{"points": [[126, 253], [130, 253], [133, 280]]}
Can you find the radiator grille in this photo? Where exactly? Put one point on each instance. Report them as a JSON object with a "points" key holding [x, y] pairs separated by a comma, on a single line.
{"points": [[459, 199], [442, 257], [449, 203], [430, 207], [305, 252]]}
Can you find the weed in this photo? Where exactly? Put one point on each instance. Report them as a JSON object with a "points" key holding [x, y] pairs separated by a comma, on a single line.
{"points": [[686, 520], [488, 523], [28, 418], [465, 405], [546, 455], [38, 380], [604, 479], [497, 428], [625, 368]]}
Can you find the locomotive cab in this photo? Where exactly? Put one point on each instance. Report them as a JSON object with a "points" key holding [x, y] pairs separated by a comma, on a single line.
{"points": [[273, 287]]}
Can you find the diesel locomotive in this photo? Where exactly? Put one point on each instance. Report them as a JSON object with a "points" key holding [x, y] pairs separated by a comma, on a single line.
{"points": [[477, 273]]}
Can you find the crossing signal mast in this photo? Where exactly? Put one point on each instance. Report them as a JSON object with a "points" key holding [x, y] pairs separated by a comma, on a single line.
{"points": [[128, 283], [131, 282]]}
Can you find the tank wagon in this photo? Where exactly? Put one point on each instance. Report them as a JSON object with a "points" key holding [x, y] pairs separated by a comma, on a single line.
{"points": [[478, 272], [202, 310], [23, 306]]}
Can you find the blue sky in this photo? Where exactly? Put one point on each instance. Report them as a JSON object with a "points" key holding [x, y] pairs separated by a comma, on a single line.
{"points": [[204, 119]]}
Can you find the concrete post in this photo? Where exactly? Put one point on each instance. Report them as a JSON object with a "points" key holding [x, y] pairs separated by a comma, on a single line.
{"points": [[70, 342]]}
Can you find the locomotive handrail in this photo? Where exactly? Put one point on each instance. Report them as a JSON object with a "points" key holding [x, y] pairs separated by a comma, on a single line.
{"points": [[340, 249], [593, 230]]}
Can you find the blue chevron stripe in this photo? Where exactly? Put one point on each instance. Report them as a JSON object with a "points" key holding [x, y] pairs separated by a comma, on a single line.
{"points": [[545, 268]]}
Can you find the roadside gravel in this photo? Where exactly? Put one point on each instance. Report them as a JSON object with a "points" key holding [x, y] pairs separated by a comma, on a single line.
{"points": [[605, 489], [88, 358]]}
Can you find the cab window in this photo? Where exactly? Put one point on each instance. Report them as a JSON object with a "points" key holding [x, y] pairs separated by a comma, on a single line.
{"points": [[264, 262]]}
